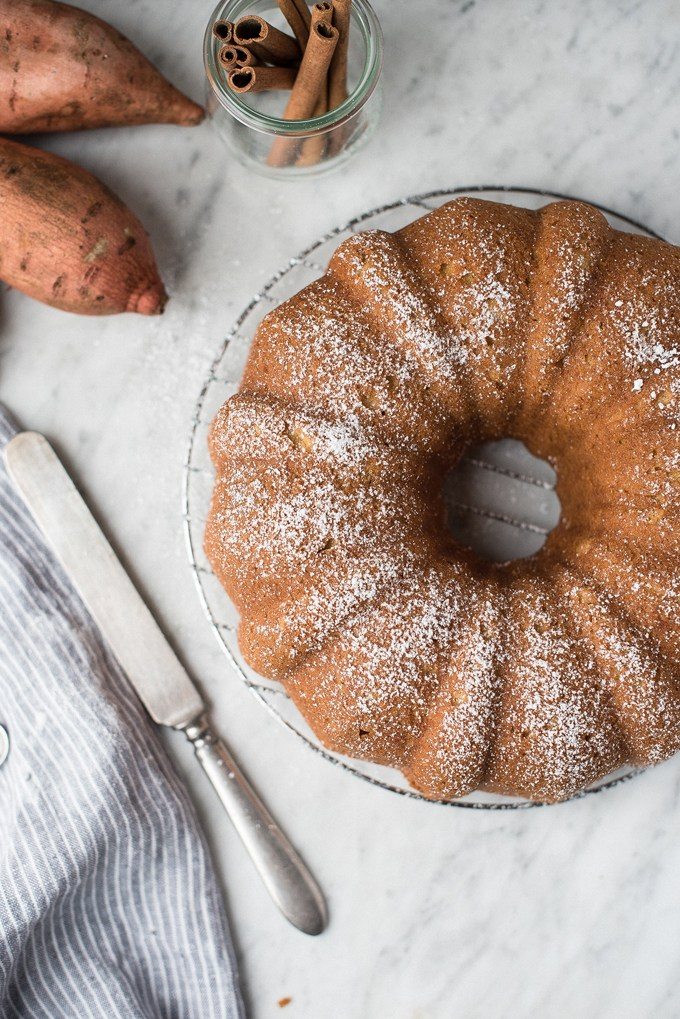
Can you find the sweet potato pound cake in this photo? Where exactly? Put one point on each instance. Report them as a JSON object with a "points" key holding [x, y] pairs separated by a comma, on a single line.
{"points": [[476, 322]]}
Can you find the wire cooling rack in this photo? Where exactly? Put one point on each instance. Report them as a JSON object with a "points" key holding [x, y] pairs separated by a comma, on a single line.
{"points": [[508, 508]]}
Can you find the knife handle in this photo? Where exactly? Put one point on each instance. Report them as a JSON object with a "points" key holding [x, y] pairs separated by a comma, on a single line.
{"points": [[283, 872]]}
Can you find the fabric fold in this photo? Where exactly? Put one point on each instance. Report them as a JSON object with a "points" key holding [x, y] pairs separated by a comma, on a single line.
{"points": [[109, 905]]}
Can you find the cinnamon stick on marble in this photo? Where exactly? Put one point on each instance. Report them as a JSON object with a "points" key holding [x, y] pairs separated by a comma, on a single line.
{"points": [[260, 79], [265, 41], [297, 14], [308, 88]]}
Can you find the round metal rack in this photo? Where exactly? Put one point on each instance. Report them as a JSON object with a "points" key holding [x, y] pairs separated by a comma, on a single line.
{"points": [[223, 380]]}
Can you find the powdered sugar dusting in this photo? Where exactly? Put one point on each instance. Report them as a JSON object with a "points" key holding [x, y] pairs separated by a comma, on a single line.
{"points": [[572, 239], [639, 683], [323, 352], [371, 687], [450, 758], [383, 280], [556, 725]]}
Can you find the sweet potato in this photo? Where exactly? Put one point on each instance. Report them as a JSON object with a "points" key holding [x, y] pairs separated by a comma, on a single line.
{"points": [[62, 69], [67, 240]]}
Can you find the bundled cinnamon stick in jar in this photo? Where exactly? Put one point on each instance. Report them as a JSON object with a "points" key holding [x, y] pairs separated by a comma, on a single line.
{"points": [[311, 63]]}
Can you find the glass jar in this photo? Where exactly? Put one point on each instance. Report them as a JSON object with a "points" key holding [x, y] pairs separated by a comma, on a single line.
{"points": [[251, 123]]}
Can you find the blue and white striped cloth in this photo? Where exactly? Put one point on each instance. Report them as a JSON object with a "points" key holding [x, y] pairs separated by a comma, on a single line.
{"points": [[108, 903]]}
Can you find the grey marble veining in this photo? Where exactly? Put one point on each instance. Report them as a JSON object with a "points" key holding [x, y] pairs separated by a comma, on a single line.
{"points": [[436, 912]]}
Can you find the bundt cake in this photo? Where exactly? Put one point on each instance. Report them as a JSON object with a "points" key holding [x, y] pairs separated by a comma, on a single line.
{"points": [[478, 321]]}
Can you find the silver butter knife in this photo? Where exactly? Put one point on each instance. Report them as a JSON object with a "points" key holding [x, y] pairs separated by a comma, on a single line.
{"points": [[154, 670]]}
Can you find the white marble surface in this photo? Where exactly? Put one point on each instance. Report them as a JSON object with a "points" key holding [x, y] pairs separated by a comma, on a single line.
{"points": [[435, 912]]}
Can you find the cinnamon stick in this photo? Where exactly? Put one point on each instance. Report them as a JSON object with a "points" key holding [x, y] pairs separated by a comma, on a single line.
{"points": [[311, 78], [313, 148], [297, 14], [227, 57], [260, 79], [337, 78], [308, 89], [234, 56], [246, 57], [337, 75], [322, 11], [223, 30], [265, 41], [322, 14]]}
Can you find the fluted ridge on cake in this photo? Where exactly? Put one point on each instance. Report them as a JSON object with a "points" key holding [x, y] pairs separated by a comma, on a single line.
{"points": [[368, 692], [571, 241], [476, 260], [557, 731], [303, 499], [450, 758], [379, 277], [616, 436], [320, 349], [644, 587], [641, 683]]}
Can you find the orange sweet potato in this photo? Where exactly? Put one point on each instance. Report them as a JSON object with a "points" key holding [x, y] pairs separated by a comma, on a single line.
{"points": [[62, 69], [67, 240]]}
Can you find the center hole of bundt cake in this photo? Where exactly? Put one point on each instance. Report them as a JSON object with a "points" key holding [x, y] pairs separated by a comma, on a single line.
{"points": [[500, 501]]}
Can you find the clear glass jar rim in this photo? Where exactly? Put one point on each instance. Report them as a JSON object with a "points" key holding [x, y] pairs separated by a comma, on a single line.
{"points": [[363, 15]]}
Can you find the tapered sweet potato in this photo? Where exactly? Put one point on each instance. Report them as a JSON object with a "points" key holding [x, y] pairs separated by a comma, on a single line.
{"points": [[67, 240], [62, 69]]}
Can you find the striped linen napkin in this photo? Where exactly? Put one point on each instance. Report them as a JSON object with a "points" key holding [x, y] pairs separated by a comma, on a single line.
{"points": [[108, 903]]}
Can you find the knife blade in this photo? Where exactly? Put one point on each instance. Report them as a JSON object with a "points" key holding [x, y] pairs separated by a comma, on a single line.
{"points": [[153, 669], [125, 621]]}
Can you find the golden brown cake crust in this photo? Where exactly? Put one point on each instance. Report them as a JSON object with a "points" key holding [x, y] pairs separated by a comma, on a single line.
{"points": [[478, 321]]}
